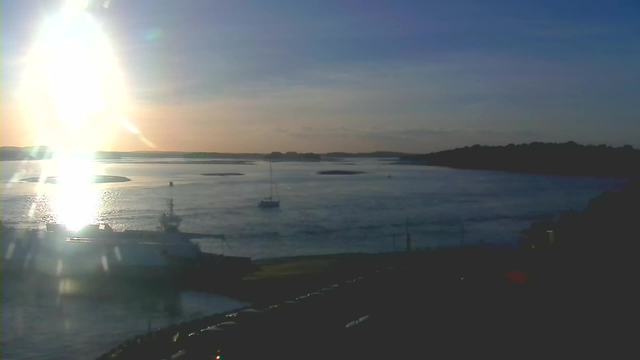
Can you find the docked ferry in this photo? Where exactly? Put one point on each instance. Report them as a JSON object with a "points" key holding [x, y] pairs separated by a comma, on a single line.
{"points": [[98, 250]]}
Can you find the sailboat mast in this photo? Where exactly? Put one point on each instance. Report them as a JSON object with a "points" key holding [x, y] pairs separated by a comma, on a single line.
{"points": [[270, 182], [170, 201]]}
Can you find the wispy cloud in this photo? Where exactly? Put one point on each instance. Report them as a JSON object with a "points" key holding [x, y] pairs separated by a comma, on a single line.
{"points": [[569, 30], [412, 139]]}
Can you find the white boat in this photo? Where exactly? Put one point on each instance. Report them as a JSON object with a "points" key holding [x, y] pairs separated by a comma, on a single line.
{"points": [[269, 202]]}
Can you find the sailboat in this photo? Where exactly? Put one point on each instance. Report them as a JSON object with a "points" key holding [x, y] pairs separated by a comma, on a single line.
{"points": [[269, 202]]}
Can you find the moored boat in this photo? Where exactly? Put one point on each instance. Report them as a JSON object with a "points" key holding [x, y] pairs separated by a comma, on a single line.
{"points": [[270, 202]]}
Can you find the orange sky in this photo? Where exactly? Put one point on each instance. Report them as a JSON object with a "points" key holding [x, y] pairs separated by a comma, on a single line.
{"points": [[210, 127]]}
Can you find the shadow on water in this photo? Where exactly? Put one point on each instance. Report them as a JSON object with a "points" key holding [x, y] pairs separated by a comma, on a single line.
{"points": [[136, 297], [80, 319]]}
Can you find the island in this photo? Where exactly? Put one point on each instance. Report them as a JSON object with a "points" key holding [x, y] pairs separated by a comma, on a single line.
{"points": [[97, 179], [538, 158], [340, 172], [223, 174]]}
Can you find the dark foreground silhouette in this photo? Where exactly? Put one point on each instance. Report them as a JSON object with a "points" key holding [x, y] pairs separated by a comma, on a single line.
{"points": [[562, 296], [541, 158]]}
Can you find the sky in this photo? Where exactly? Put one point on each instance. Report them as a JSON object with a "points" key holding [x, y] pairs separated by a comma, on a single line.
{"points": [[347, 75]]}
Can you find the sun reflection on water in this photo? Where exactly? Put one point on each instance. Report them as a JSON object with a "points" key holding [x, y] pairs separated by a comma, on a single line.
{"points": [[77, 199]]}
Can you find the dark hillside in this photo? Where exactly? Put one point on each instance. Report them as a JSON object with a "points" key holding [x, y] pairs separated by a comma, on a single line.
{"points": [[540, 158]]}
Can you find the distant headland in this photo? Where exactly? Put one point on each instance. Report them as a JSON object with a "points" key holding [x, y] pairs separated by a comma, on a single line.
{"points": [[540, 158], [12, 153], [293, 156]]}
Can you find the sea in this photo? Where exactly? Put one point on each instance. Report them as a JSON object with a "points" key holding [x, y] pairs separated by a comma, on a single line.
{"points": [[319, 214]]}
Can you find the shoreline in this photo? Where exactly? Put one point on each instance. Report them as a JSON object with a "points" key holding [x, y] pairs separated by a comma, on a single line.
{"points": [[510, 171], [279, 279]]}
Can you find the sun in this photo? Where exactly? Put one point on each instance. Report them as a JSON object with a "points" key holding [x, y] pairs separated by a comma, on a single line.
{"points": [[73, 91]]}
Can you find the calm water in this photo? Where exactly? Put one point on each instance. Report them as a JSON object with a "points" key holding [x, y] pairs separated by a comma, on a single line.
{"points": [[318, 214]]}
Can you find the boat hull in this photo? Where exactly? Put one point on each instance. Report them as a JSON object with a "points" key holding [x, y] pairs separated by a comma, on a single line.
{"points": [[160, 258], [269, 204]]}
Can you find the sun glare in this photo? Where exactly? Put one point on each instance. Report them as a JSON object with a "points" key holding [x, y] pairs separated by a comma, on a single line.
{"points": [[73, 91], [74, 83], [74, 98]]}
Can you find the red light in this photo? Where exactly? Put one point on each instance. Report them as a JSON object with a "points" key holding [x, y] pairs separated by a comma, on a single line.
{"points": [[519, 277]]}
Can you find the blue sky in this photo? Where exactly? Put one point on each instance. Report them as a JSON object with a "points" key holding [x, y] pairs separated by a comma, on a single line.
{"points": [[347, 75]]}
